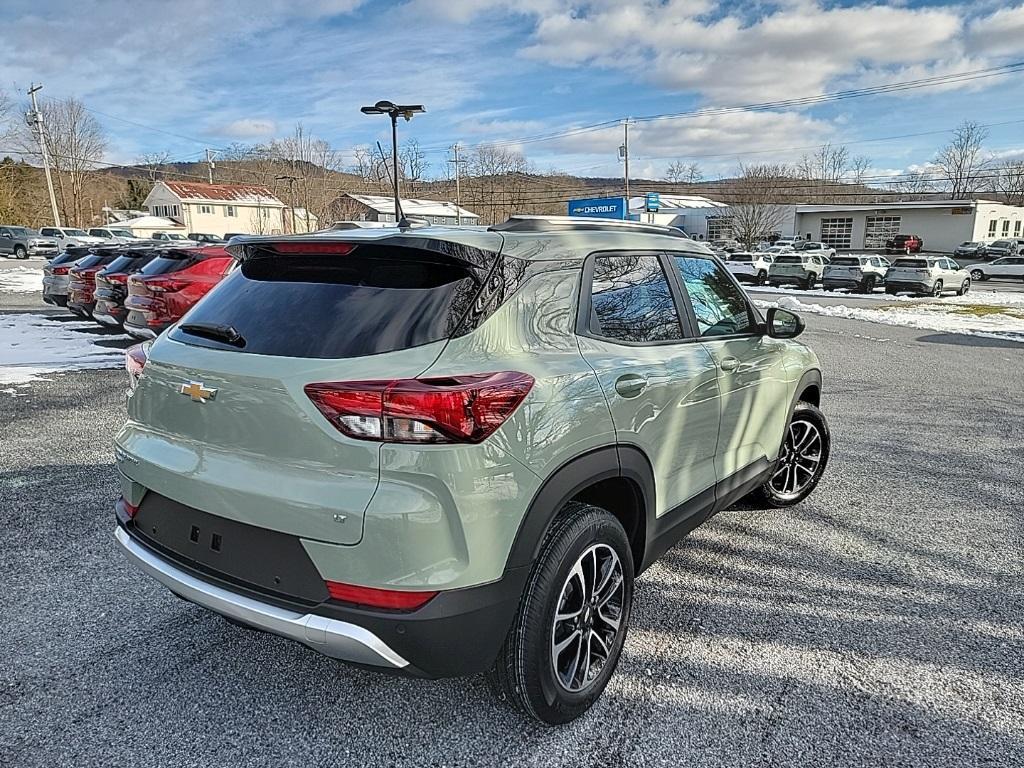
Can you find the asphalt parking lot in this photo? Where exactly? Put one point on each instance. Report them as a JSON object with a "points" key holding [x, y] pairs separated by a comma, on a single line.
{"points": [[879, 622]]}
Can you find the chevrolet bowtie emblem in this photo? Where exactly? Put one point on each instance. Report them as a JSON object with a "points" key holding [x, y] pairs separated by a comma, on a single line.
{"points": [[198, 393]]}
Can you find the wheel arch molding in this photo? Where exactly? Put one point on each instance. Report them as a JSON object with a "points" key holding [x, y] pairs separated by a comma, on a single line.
{"points": [[618, 478]]}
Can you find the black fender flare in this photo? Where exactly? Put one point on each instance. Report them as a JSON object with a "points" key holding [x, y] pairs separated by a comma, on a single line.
{"points": [[567, 481], [810, 378]]}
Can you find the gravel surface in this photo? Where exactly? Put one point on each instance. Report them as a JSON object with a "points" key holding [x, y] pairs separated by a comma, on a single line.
{"points": [[881, 622]]}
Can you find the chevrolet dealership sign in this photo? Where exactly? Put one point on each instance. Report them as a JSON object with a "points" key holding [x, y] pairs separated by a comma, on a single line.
{"points": [[599, 207]]}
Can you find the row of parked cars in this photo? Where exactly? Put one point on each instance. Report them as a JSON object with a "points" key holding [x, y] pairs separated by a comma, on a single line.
{"points": [[920, 273], [22, 242], [141, 287]]}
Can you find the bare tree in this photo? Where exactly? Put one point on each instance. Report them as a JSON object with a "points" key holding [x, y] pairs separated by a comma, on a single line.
{"points": [[497, 182], [913, 186], [756, 202], [155, 163], [75, 142], [826, 171], [1009, 181], [960, 162], [858, 170], [412, 162], [679, 172]]}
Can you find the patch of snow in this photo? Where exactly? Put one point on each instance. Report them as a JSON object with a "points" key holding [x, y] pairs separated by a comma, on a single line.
{"points": [[974, 296], [930, 315], [32, 346], [21, 280]]}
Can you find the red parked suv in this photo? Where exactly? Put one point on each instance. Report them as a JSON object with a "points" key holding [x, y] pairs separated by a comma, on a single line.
{"points": [[168, 286], [82, 280]]}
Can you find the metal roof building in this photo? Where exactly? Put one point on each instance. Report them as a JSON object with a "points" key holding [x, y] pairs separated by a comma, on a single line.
{"points": [[381, 208]]}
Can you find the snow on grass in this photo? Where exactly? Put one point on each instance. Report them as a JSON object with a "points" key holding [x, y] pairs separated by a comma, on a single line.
{"points": [[958, 314], [21, 280], [32, 346], [975, 296]]}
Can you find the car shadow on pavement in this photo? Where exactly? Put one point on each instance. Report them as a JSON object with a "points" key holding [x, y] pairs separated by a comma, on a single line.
{"points": [[963, 340]]}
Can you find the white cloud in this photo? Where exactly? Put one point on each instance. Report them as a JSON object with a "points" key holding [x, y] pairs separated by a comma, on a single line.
{"points": [[245, 128]]}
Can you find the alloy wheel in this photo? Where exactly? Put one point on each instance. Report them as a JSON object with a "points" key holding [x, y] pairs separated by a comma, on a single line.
{"points": [[798, 460], [588, 618], [937, 288]]}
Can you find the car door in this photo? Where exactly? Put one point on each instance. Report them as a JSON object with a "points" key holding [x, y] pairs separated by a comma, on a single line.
{"points": [[752, 378], [6, 240], [999, 267], [1015, 268], [661, 387]]}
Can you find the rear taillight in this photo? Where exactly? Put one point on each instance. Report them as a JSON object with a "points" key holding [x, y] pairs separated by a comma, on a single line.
{"points": [[135, 358], [313, 249], [393, 599], [164, 284], [458, 409], [130, 510], [117, 277], [60, 270]]}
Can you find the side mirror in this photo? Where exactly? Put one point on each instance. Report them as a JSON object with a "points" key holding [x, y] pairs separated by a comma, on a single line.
{"points": [[783, 324], [8, 235]]}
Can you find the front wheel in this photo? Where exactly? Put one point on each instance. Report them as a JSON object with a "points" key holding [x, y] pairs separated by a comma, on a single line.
{"points": [[937, 289], [568, 634], [762, 277], [802, 459], [977, 275], [869, 284], [20, 252]]}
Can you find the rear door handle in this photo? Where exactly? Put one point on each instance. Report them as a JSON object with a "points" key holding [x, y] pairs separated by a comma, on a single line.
{"points": [[729, 364], [630, 385]]}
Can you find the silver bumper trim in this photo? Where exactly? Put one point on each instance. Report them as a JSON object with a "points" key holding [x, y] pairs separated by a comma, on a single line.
{"points": [[337, 639]]}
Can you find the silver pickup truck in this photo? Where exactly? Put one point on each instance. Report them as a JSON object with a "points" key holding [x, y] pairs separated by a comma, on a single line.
{"points": [[22, 242]]}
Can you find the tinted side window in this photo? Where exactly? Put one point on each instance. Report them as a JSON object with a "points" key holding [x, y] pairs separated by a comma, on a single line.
{"points": [[631, 300], [720, 307]]}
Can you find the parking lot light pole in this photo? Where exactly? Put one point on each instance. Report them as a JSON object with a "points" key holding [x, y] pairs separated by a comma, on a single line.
{"points": [[393, 111]]}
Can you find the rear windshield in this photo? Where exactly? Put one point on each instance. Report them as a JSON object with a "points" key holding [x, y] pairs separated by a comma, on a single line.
{"points": [[130, 263], [911, 263], [69, 255], [171, 262], [90, 261], [744, 257], [335, 306], [789, 259], [846, 261]]}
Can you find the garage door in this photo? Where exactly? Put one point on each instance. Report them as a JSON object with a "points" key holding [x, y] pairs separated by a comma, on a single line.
{"points": [[878, 229], [837, 232]]}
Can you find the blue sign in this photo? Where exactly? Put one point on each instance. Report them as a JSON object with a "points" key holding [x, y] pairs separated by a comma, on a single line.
{"points": [[599, 207], [652, 202]]}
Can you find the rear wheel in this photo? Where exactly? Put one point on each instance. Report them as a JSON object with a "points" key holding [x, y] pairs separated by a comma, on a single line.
{"points": [[568, 634], [868, 286], [762, 277], [802, 459], [965, 286], [810, 280], [937, 289]]}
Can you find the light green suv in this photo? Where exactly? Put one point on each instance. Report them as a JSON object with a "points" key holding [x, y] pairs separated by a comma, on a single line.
{"points": [[450, 451]]}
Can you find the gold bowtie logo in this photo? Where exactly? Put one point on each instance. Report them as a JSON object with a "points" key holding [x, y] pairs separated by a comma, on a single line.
{"points": [[197, 392]]}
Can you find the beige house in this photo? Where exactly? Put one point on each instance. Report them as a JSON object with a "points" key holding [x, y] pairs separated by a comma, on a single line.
{"points": [[218, 209]]}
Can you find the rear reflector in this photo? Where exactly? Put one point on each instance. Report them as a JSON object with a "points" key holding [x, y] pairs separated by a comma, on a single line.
{"points": [[310, 249], [130, 510], [393, 599], [135, 358], [457, 409]]}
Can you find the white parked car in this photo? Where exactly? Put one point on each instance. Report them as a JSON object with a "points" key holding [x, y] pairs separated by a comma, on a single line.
{"points": [[66, 236], [810, 246], [776, 249], [750, 267], [799, 267], [857, 273], [114, 234], [790, 241], [1008, 267], [927, 276]]}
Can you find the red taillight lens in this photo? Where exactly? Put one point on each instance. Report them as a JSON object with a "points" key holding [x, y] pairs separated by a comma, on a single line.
{"points": [[458, 409], [164, 284], [313, 249], [60, 270], [130, 510], [117, 277], [393, 599]]}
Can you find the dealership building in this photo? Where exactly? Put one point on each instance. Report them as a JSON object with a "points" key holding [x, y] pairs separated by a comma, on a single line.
{"points": [[943, 224]]}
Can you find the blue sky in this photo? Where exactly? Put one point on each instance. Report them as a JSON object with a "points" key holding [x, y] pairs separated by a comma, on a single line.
{"points": [[235, 71]]}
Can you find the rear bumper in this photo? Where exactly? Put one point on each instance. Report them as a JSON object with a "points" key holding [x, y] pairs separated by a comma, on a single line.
{"points": [[457, 633], [842, 282], [914, 287], [331, 637], [141, 331], [786, 279]]}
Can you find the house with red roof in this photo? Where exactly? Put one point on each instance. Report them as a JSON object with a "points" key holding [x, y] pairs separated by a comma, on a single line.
{"points": [[218, 209]]}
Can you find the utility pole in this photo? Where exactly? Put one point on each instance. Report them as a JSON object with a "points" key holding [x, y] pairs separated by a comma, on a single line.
{"points": [[458, 186], [625, 157], [291, 195], [35, 120], [210, 165]]}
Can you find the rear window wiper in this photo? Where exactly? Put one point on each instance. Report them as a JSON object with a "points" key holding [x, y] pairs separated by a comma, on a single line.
{"points": [[226, 333]]}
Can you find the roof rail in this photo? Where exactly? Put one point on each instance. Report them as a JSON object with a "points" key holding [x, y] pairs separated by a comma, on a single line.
{"points": [[581, 224]]}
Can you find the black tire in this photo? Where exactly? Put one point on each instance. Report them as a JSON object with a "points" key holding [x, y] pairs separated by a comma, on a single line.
{"points": [[524, 674], [809, 281], [769, 494], [20, 252], [868, 286], [762, 278], [977, 275], [936, 289], [965, 286]]}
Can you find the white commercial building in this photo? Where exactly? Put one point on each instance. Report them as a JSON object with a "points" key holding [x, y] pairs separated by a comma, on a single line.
{"points": [[381, 208], [942, 224], [699, 217]]}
